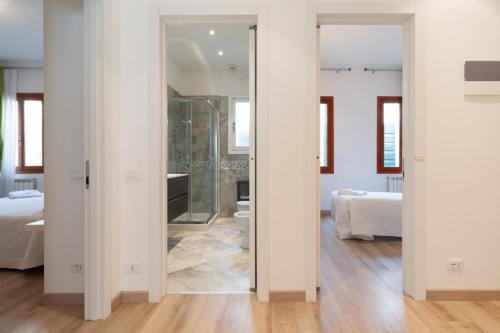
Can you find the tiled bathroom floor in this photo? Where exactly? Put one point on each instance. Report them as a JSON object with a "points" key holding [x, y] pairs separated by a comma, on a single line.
{"points": [[197, 217], [208, 261]]}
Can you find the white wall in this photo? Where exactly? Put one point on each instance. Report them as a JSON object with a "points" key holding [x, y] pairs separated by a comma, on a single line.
{"points": [[213, 82], [459, 175], [288, 146], [174, 75], [64, 150], [355, 128], [30, 80], [462, 136], [133, 152]]}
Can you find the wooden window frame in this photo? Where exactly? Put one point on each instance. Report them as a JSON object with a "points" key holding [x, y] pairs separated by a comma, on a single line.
{"points": [[329, 168], [21, 98], [381, 100]]}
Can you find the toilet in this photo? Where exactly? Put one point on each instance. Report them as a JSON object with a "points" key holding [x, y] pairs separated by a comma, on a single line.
{"points": [[242, 206], [242, 220]]}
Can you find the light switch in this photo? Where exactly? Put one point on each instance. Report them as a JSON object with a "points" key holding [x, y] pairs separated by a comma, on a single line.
{"points": [[132, 175]]}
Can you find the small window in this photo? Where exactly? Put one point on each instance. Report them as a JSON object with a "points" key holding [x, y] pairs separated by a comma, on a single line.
{"points": [[239, 125], [326, 134], [30, 133], [389, 135]]}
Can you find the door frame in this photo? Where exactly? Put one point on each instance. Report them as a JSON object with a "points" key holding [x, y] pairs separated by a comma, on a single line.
{"points": [[413, 251], [160, 15]]}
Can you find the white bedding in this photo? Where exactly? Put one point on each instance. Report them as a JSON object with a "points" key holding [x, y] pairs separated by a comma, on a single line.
{"points": [[20, 248], [373, 214]]}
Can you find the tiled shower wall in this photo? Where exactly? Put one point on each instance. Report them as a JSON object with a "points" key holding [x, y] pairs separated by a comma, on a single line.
{"points": [[233, 167], [202, 172], [177, 135], [181, 158]]}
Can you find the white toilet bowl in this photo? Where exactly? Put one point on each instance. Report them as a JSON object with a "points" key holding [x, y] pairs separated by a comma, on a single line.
{"points": [[242, 206], [242, 220]]}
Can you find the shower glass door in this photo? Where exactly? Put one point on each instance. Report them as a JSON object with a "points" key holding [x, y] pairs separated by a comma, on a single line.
{"points": [[193, 150]]}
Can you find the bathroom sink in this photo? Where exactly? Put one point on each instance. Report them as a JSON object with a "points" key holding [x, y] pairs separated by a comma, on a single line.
{"points": [[175, 175]]}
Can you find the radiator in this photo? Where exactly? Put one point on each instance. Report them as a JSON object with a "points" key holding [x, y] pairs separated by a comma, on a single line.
{"points": [[25, 184], [395, 184]]}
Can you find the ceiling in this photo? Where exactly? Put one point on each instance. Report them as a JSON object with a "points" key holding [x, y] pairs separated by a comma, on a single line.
{"points": [[357, 45], [192, 46], [21, 30]]}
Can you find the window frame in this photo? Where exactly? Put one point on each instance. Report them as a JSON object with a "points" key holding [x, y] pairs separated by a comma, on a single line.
{"points": [[329, 168], [231, 145], [381, 100], [21, 98]]}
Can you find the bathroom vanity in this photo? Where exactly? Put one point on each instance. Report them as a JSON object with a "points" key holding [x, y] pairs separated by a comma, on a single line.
{"points": [[178, 185]]}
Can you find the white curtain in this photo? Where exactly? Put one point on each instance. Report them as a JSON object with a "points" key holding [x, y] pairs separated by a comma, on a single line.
{"points": [[9, 130]]}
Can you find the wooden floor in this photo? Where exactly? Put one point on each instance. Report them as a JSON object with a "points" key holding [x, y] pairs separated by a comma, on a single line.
{"points": [[360, 292]]}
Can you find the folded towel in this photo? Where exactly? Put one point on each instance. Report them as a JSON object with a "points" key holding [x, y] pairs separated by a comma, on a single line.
{"points": [[24, 194], [348, 191]]}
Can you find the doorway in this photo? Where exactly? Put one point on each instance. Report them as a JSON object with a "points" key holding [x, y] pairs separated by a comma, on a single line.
{"points": [[209, 149], [380, 125], [22, 198]]}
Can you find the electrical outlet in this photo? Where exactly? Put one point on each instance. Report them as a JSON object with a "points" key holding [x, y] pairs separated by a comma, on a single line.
{"points": [[76, 268], [455, 264]]}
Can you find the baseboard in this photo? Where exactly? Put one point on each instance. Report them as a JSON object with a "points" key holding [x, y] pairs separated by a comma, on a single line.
{"points": [[61, 298], [116, 302], [78, 298], [135, 297], [287, 296], [462, 295], [124, 297]]}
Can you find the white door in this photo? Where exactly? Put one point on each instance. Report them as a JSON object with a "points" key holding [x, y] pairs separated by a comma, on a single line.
{"points": [[252, 99], [318, 176], [97, 236]]}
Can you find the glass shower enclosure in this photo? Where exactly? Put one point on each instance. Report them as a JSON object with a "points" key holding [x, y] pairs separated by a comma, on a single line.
{"points": [[193, 149]]}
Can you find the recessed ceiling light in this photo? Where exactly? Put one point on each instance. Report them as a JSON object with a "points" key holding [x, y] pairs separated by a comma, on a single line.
{"points": [[211, 32], [220, 53]]}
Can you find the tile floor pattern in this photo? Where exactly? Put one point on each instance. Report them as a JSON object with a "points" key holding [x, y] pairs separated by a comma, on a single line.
{"points": [[209, 261]]}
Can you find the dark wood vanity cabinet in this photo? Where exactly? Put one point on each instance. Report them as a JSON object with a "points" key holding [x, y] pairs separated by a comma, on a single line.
{"points": [[177, 196]]}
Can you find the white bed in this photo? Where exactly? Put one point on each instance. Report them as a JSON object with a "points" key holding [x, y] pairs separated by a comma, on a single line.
{"points": [[20, 247], [366, 216]]}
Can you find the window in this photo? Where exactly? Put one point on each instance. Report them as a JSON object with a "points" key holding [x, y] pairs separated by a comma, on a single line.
{"points": [[30, 133], [326, 134], [389, 135], [239, 125]]}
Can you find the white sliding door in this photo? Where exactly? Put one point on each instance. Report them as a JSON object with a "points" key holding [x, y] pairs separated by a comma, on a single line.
{"points": [[318, 180], [96, 238], [252, 99]]}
